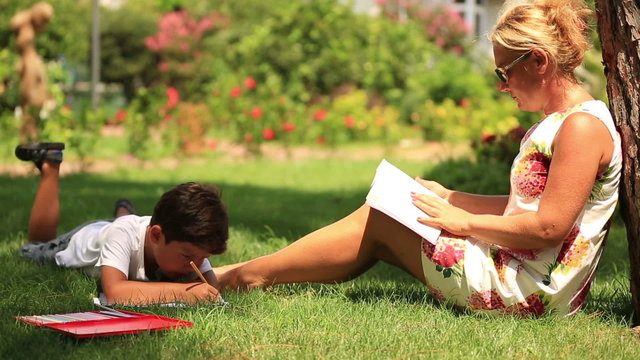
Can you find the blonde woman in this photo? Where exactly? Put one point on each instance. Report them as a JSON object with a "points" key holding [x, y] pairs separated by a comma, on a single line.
{"points": [[531, 252]]}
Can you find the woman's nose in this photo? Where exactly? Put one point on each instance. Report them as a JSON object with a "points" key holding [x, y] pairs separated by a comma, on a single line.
{"points": [[502, 86]]}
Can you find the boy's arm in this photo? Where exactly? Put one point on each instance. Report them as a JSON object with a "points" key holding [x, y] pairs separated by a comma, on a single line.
{"points": [[118, 289]]}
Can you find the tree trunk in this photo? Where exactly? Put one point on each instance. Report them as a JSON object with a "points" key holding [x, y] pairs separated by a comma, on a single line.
{"points": [[619, 28]]}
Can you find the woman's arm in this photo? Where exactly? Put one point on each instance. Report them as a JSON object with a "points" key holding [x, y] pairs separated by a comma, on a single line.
{"points": [[581, 148], [473, 203]]}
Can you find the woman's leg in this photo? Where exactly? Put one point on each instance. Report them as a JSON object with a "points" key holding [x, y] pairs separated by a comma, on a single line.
{"points": [[338, 252], [45, 213]]}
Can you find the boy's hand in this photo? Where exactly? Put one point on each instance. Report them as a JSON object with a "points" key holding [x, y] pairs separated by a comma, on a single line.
{"points": [[201, 292]]}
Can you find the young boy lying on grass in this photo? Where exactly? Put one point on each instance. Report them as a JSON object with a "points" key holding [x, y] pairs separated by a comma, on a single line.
{"points": [[140, 259]]}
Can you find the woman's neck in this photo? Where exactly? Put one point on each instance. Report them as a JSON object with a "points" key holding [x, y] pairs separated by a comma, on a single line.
{"points": [[563, 94]]}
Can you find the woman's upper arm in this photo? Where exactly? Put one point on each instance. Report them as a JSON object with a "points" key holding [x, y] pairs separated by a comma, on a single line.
{"points": [[581, 145]]}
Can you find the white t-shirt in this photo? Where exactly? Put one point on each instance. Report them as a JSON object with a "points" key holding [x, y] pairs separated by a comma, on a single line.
{"points": [[119, 244]]}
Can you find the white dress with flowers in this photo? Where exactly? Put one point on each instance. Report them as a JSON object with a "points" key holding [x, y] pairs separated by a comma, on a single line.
{"points": [[489, 278]]}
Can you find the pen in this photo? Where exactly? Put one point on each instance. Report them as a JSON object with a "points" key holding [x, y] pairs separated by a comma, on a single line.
{"points": [[195, 268]]}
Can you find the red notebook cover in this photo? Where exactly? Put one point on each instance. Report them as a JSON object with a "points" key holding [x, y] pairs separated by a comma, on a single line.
{"points": [[104, 323]]}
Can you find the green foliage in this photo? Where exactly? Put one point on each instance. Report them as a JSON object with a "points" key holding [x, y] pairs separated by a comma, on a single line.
{"points": [[148, 123], [123, 57], [467, 120]]}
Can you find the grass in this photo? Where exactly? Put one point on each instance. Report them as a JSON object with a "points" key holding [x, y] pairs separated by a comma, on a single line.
{"points": [[385, 314]]}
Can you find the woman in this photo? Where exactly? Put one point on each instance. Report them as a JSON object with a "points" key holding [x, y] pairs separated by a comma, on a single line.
{"points": [[531, 252]]}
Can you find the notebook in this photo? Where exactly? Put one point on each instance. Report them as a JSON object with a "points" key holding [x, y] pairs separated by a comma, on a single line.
{"points": [[390, 193], [105, 322]]}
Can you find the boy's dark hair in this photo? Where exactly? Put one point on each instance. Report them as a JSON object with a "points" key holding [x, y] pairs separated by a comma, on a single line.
{"points": [[193, 213]]}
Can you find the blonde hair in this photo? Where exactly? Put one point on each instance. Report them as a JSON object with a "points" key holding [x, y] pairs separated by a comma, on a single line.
{"points": [[559, 27]]}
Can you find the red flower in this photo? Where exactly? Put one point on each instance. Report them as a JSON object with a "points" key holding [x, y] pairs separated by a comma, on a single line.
{"points": [[486, 138], [212, 144], [250, 83], [172, 97], [236, 91], [349, 121], [464, 103], [121, 116], [486, 300], [256, 112], [321, 140], [268, 134], [288, 126], [320, 115], [248, 137], [533, 306]]}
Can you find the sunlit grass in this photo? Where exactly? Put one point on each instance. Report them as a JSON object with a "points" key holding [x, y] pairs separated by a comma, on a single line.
{"points": [[385, 314]]}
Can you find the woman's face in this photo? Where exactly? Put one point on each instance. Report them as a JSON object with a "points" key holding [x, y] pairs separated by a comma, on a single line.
{"points": [[523, 83]]}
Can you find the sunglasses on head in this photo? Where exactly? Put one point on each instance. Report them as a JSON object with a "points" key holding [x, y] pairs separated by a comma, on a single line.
{"points": [[502, 71]]}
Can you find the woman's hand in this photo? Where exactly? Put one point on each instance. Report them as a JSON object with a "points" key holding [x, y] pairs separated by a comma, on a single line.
{"points": [[442, 214], [437, 189]]}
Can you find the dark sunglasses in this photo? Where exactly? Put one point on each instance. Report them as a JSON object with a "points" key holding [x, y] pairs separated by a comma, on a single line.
{"points": [[502, 71]]}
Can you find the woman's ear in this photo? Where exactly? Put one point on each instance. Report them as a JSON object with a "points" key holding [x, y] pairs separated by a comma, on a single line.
{"points": [[541, 59]]}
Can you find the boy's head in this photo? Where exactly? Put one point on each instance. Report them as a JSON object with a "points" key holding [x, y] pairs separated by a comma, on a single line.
{"points": [[193, 213]]}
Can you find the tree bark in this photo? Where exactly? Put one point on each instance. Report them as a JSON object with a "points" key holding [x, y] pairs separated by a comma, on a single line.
{"points": [[619, 29]]}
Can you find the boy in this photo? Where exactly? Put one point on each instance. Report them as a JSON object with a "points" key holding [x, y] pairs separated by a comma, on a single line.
{"points": [[189, 223]]}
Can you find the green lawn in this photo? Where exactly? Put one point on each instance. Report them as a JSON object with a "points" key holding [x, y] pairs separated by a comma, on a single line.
{"points": [[384, 314]]}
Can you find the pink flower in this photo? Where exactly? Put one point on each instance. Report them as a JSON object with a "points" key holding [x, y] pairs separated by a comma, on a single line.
{"points": [[268, 134], [447, 252], [486, 300], [256, 112], [250, 83], [212, 144], [163, 66], [533, 306], [436, 293], [320, 115], [580, 296], [236, 91], [349, 121], [173, 97], [288, 126]]}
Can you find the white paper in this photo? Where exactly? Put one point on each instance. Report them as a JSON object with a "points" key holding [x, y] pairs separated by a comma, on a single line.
{"points": [[391, 194]]}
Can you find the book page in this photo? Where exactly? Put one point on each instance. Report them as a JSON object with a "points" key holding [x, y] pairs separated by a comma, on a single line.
{"points": [[390, 193]]}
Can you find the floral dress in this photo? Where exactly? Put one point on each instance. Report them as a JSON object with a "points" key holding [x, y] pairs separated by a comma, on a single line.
{"points": [[499, 280]]}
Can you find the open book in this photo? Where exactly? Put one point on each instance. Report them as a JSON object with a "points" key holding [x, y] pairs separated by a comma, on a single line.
{"points": [[391, 194]]}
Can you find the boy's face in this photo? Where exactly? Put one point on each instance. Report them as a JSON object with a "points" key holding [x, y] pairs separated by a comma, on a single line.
{"points": [[174, 258]]}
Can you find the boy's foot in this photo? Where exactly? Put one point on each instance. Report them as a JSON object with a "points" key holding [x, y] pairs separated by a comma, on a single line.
{"points": [[123, 207], [40, 152]]}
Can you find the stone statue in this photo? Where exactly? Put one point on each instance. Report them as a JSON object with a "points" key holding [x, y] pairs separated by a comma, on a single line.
{"points": [[33, 75]]}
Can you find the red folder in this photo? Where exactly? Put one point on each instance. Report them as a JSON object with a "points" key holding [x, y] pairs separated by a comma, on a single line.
{"points": [[104, 323]]}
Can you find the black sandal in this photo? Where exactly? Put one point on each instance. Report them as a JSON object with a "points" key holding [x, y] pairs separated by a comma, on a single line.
{"points": [[39, 152], [124, 203]]}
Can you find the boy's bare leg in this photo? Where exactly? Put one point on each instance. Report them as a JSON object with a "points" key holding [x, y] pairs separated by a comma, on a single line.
{"points": [[338, 252], [45, 212]]}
